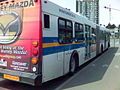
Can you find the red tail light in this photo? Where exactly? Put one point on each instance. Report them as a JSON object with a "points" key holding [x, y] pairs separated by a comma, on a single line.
{"points": [[35, 52]]}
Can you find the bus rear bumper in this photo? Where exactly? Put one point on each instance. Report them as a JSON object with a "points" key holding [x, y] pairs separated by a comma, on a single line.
{"points": [[24, 77]]}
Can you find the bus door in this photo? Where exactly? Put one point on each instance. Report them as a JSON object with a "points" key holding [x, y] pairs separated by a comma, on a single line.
{"points": [[65, 35], [87, 41]]}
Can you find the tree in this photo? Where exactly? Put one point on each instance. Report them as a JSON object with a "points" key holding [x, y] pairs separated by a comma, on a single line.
{"points": [[113, 26], [119, 26], [109, 26]]}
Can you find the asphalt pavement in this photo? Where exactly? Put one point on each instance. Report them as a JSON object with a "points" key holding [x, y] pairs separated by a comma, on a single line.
{"points": [[101, 74]]}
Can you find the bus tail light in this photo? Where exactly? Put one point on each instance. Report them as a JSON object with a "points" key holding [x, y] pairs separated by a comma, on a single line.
{"points": [[35, 44], [35, 52], [34, 60]]}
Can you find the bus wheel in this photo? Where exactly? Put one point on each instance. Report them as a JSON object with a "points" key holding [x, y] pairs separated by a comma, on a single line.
{"points": [[72, 66]]}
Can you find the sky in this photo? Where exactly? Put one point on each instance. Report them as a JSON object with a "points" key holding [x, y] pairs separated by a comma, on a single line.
{"points": [[104, 13]]}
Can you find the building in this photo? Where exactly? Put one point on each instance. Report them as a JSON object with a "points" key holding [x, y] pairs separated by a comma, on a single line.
{"points": [[88, 8]]}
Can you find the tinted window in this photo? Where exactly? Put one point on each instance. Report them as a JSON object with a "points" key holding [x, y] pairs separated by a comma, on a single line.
{"points": [[46, 21], [93, 36], [65, 31], [79, 33], [61, 23], [69, 24]]}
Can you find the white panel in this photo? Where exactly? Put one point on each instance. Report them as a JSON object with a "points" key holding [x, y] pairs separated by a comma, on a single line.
{"points": [[93, 50], [93, 54], [52, 66], [53, 30], [82, 56], [67, 61]]}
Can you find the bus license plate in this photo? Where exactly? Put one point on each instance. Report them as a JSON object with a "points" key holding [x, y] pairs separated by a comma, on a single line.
{"points": [[10, 77]]}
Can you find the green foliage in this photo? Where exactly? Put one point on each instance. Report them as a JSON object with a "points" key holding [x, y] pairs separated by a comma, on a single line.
{"points": [[109, 26], [119, 26]]}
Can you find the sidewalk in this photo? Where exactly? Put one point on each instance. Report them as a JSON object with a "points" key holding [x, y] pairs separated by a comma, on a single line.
{"points": [[101, 74]]}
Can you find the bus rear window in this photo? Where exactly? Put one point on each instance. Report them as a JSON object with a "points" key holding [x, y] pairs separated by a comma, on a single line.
{"points": [[46, 21]]}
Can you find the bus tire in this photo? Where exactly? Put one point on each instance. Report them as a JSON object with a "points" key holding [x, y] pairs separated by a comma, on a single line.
{"points": [[73, 65]]}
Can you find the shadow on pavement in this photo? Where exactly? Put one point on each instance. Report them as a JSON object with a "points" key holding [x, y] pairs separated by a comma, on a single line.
{"points": [[94, 71]]}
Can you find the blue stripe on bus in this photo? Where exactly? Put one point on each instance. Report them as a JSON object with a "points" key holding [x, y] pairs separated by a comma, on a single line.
{"points": [[50, 39], [52, 50], [55, 39]]}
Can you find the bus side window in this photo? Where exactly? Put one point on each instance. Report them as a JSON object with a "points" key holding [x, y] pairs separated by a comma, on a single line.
{"points": [[93, 36], [79, 33], [46, 21], [65, 31]]}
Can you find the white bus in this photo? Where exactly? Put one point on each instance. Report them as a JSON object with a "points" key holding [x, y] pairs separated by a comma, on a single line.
{"points": [[41, 41]]}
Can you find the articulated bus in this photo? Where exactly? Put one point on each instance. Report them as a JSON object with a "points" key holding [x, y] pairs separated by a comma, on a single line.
{"points": [[41, 41]]}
